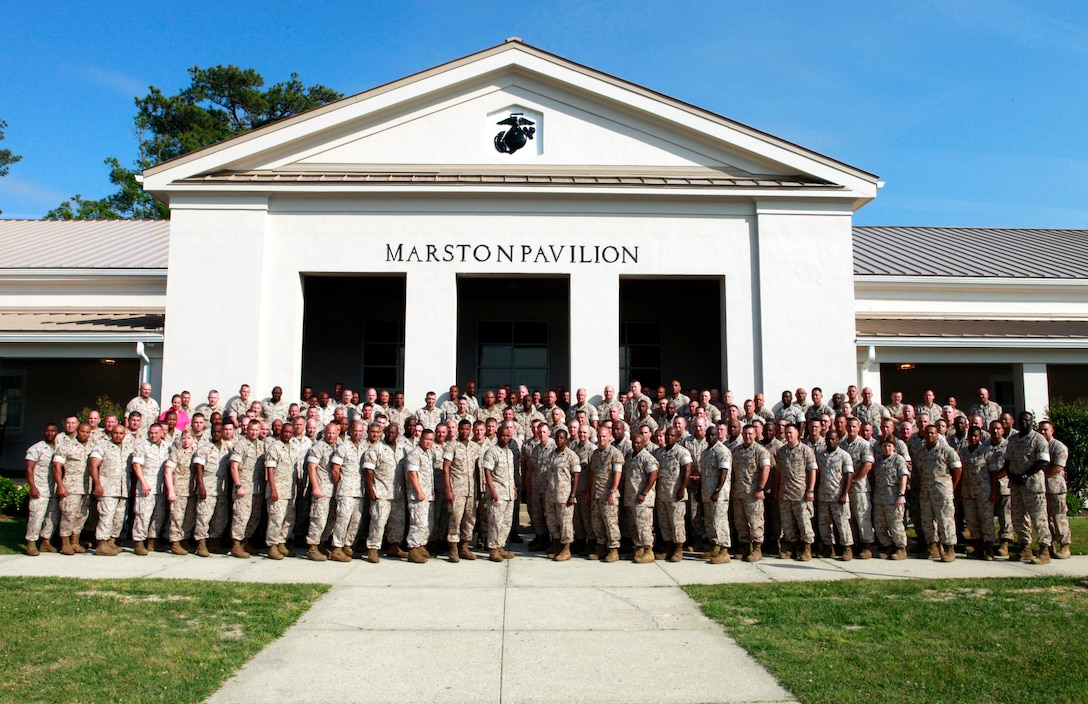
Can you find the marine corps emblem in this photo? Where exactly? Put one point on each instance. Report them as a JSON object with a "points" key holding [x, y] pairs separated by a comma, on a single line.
{"points": [[514, 137]]}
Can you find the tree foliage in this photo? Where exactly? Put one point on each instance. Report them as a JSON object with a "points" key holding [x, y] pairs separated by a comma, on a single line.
{"points": [[6, 157], [1070, 421], [220, 102]]}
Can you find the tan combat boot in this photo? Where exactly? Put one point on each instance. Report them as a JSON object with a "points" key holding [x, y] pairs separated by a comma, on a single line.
{"points": [[1003, 548], [677, 552], [564, 554], [139, 548], [1043, 556], [646, 556], [338, 555], [32, 548], [104, 549], [988, 551], [506, 554], [314, 554], [612, 556], [786, 551], [847, 554], [464, 553], [806, 553], [66, 545], [899, 554], [553, 549], [755, 553], [934, 551], [712, 552], [948, 553], [1026, 554], [721, 558], [595, 552], [1063, 553], [236, 550], [455, 555], [47, 545], [151, 545], [416, 556], [177, 549], [395, 551], [274, 553], [73, 541], [866, 552], [372, 556], [348, 550], [493, 555], [202, 548]]}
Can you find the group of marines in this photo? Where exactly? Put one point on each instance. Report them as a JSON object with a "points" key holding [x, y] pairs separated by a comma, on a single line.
{"points": [[347, 474]]}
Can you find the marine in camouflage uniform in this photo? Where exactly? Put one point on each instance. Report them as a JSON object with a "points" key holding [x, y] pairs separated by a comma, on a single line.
{"points": [[751, 470], [1026, 461], [605, 476], [889, 477], [380, 465], [1057, 508], [696, 444], [247, 473], [212, 463], [419, 486], [674, 472], [347, 464], [715, 465], [583, 510], [940, 468], [151, 507], [640, 472], [497, 466], [562, 471], [975, 488], [795, 482], [861, 506], [459, 467], [109, 469], [44, 509], [282, 463], [179, 489], [318, 467], [73, 486], [834, 479]]}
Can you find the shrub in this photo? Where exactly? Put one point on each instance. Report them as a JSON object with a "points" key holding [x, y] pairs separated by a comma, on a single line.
{"points": [[14, 499], [105, 405], [1070, 422]]}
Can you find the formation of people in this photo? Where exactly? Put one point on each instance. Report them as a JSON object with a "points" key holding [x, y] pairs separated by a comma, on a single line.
{"points": [[343, 474]]}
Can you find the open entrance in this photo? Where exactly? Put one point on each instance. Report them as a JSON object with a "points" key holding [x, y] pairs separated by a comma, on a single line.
{"points": [[353, 332], [513, 331], [671, 328], [959, 380]]}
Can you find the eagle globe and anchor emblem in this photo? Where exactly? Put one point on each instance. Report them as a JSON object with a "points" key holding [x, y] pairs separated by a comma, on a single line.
{"points": [[519, 131]]}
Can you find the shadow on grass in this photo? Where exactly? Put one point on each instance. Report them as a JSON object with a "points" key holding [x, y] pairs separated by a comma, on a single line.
{"points": [[12, 535]]}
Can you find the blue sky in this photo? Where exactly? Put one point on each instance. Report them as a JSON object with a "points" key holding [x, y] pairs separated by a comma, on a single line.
{"points": [[971, 112]]}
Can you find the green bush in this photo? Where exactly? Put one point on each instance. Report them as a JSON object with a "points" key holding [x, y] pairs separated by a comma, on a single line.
{"points": [[105, 405], [14, 499], [1070, 422]]}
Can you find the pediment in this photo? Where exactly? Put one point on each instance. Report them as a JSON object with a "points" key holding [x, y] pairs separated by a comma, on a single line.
{"points": [[448, 119]]}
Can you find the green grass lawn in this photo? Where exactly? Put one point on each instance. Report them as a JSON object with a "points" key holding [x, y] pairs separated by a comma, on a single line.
{"points": [[916, 641], [135, 640]]}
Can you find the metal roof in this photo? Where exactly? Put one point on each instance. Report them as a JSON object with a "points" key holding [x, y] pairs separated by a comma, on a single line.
{"points": [[700, 180], [970, 251], [84, 244], [954, 329]]}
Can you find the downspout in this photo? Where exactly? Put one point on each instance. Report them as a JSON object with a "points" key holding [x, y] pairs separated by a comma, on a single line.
{"points": [[145, 363], [867, 365]]}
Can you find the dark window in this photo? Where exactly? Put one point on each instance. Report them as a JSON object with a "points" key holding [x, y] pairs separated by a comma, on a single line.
{"points": [[514, 353], [383, 354], [640, 353]]}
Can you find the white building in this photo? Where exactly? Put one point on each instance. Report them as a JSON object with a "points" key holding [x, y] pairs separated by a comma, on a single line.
{"points": [[389, 240]]}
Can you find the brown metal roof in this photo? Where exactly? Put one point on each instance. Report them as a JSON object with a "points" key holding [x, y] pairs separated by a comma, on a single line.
{"points": [[673, 180], [84, 244], [997, 329], [970, 251], [82, 322]]}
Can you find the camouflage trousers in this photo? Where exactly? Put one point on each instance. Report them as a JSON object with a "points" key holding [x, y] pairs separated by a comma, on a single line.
{"points": [[670, 520], [538, 517], [462, 519], [888, 525], [211, 517], [302, 512], [861, 515], [440, 516], [583, 521], [149, 516], [716, 517], [978, 516], [1058, 511], [419, 523], [606, 523], [696, 513], [482, 514], [74, 510], [748, 518], [398, 517], [111, 516], [247, 514], [560, 521], [182, 517], [386, 520], [1003, 512], [642, 524], [938, 515], [772, 516], [349, 513], [796, 517], [833, 517], [500, 515], [281, 520], [320, 526], [44, 517], [1027, 508]]}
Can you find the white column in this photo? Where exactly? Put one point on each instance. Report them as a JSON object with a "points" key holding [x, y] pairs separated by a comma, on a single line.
{"points": [[594, 331], [1032, 388], [870, 373], [430, 334]]}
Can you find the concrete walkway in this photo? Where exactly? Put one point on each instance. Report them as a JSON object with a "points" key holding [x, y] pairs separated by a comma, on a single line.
{"points": [[527, 630]]}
